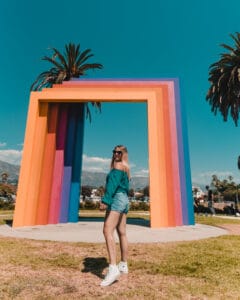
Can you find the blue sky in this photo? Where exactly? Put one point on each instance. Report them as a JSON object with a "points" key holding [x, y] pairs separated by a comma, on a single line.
{"points": [[132, 39]]}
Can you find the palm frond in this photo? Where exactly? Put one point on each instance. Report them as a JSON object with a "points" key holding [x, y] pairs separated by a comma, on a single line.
{"points": [[77, 51], [236, 39], [83, 56], [54, 62], [91, 66], [227, 47], [60, 56]]}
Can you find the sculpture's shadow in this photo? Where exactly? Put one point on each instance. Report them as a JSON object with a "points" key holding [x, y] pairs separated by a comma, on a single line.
{"points": [[131, 221]]}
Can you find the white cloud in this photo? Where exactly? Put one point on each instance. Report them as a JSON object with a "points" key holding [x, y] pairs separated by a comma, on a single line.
{"points": [[3, 144], [96, 164], [141, 173], [11, 156], [206, 177]]}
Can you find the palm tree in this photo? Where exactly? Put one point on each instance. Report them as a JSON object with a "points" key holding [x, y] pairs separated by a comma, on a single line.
{"points": [[224, 76], [71, 64]]}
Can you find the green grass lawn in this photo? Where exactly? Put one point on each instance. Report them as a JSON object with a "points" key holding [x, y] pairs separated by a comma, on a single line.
{"points": [[5, 216], [203, 269]]}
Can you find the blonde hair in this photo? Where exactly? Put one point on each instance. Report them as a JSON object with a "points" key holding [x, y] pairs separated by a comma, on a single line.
{"points": [[124, 158]]}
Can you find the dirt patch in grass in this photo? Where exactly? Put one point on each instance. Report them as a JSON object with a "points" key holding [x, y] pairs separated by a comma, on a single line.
{"points": [[233, 229], [232, 225]]}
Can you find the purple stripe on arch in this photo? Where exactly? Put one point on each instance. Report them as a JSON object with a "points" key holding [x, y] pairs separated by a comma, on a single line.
{"points": [[67, 171], [182, 172], [62, 127], [55, 202]]}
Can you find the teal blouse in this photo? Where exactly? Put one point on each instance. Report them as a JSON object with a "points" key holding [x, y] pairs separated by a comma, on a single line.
{"points": [[117, 181]]}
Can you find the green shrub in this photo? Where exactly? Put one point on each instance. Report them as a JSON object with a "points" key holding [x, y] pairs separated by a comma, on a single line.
{"points": [[6, 205], [139, 205], [88, 204]]}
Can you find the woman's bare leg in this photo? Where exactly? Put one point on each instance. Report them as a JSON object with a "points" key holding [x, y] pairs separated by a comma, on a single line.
{"points": [[121, 230], [110, 224]]}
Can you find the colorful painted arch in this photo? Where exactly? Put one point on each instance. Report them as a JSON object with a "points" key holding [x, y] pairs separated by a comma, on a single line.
{"points": [[49, 181]]}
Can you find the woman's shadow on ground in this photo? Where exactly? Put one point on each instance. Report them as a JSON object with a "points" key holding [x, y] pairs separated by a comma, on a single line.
{"points": [[95, 265]]}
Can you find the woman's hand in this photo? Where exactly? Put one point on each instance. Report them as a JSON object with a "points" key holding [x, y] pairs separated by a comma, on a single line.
{"points": [[102, 206]]}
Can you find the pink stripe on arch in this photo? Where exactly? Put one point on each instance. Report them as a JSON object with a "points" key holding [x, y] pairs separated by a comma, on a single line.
{"points": [[55, 203], [175, 156], [54, 209]]}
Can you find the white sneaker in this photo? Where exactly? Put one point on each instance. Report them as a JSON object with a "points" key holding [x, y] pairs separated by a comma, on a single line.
{"points": [[123, 267], [112, 275]]}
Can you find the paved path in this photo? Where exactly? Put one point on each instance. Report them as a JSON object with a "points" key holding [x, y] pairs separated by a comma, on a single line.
{"points": [[233, 229], [90, 230]]}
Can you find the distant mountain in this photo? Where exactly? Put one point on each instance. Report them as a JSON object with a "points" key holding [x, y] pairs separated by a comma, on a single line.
{"points": [[88, 178], [139, 182], [98, 179], [93, 179], [11, 170]]}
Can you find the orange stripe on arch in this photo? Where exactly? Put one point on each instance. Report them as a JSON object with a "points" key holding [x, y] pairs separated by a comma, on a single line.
{"points": [[168, 158], [38, 145], [157, 163], [24, 176], [47, 167]]}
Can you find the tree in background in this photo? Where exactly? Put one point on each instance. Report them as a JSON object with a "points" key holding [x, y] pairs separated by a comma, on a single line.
{"points": [[4, 177], [224, 91], [100, 191], [131, 193], [146, 191], [86, 191], [226, 188], [71, 64], [224, 77]]}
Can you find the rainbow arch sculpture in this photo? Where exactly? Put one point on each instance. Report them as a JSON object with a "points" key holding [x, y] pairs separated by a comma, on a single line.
{"points": [[49, 180]]}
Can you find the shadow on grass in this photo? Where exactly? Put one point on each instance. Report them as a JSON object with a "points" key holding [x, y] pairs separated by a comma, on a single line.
{"points": [[95, 265], [131, 221]]}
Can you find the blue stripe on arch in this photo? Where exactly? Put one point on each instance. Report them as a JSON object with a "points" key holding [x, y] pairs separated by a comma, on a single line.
{"points": [[77, 166], [69, 148], [74, 202]]}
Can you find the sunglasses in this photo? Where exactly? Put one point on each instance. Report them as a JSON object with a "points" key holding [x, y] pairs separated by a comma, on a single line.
{"points": [[117, 152]]}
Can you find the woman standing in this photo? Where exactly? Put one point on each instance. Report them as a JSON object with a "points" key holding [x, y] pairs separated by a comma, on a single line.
{"points": [[115, 202]]}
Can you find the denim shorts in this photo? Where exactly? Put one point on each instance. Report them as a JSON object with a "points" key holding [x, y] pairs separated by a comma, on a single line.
{"points": [[120, 203]]}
